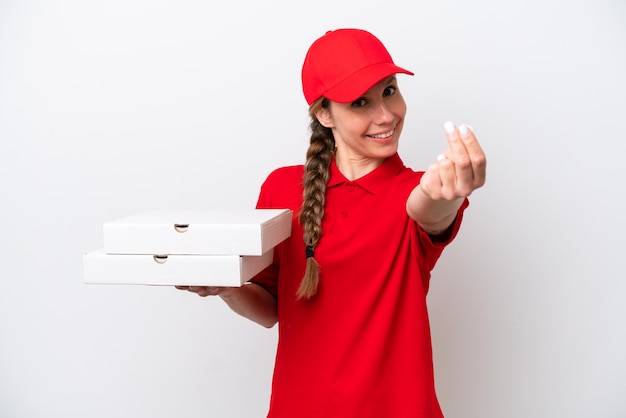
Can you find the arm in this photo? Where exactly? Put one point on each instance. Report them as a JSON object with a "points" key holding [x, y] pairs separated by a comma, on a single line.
{"points": [[460, 170], [250, 301]]}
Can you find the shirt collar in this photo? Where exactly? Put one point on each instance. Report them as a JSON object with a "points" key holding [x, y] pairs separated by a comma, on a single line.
{"points": [[375, 180]]}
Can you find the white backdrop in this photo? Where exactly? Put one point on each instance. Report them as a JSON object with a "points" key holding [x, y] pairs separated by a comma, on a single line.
{"points": [[110, 108]]}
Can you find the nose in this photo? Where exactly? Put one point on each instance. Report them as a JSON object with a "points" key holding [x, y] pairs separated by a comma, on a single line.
{"points": [[383, 113]]}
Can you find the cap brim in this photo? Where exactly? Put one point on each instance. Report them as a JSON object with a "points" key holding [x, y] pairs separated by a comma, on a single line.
{"points": [[358, 83]]}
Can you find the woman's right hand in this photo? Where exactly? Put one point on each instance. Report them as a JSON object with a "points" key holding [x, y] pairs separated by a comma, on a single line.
{"points": [[249, 300], [204, 290]]}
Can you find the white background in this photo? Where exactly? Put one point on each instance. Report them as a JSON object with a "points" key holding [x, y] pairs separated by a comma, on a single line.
{"points": [[110, 108]]}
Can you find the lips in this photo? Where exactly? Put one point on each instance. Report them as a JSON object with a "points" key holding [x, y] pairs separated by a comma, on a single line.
{"points": [[383, 135], [383, 138]]}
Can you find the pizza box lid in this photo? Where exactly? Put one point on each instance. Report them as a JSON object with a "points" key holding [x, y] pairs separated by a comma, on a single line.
{"points": [[201, 232]]}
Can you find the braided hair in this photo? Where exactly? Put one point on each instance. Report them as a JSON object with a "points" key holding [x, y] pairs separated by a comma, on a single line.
{"points": [[316, 175]]}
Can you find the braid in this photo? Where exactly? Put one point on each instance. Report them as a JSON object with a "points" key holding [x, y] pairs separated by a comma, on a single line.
{"points": [[316, 175]]}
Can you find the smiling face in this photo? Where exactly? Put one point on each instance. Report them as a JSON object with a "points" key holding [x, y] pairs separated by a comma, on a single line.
{"points": [[366, 130]]}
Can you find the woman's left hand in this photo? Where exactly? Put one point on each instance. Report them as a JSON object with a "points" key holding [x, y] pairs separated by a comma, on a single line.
{"points": [[461, 168]]}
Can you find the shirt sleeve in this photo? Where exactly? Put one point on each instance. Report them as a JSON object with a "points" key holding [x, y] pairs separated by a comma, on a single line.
{"points": [[432, 247], [450, 233]]}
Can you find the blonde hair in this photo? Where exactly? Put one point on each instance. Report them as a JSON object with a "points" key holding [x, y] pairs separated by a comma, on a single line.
{"points": [[316, 175]]}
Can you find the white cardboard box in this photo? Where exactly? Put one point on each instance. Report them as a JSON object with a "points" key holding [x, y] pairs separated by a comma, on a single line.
{"points": [[197, 270], [238, 232]]}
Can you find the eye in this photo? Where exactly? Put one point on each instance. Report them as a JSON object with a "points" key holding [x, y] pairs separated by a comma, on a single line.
{"points": [[360, 102], [390, 90]]}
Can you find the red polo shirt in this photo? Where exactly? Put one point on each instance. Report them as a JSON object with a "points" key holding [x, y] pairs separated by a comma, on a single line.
{"points": [[361, 348]]}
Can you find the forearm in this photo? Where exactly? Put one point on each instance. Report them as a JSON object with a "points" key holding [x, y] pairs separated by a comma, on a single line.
{"points": [[253, 302], [433, 216]]}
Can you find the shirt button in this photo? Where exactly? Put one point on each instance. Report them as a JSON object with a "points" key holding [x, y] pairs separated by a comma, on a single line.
{"points": [[350, 187], [344, 213]]}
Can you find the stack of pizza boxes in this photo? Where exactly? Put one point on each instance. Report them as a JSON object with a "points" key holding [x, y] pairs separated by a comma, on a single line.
{"points": [[187, 248]]}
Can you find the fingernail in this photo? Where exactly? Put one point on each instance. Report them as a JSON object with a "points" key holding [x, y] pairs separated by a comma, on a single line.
{"points": [[463, 130], [449, 127], [441, 157]]}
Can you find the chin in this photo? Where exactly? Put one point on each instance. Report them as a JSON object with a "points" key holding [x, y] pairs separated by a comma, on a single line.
{"points": [[387, 149]]}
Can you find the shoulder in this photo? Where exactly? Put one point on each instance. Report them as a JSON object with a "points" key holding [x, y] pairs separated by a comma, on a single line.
{"points": [[285, 173], [285, 177], [283, 188], [403, 175], [407, 178]]}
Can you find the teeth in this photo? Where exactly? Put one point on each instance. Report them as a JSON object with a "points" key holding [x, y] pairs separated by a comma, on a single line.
{"points": [[385, 135]]}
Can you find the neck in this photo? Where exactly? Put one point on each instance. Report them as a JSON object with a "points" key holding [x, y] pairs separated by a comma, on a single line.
{"points": [[353, 167]]}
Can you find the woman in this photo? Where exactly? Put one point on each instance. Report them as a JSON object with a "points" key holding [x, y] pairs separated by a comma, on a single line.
{"points": [[348, 288]]}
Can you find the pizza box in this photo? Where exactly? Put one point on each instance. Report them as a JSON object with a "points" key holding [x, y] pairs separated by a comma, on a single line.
{"points": [[210, 232], [185, 270]]}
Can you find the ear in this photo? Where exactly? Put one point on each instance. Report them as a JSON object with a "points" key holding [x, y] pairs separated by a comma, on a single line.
{"points": [[323, 115]]}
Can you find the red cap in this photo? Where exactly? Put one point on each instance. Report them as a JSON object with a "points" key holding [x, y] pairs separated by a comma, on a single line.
{"points": [[343, 64]]}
